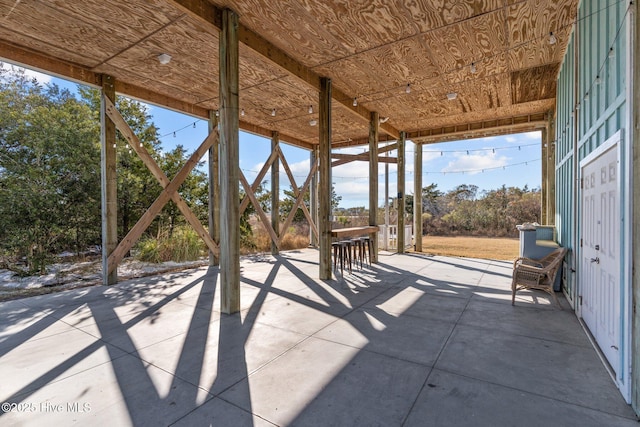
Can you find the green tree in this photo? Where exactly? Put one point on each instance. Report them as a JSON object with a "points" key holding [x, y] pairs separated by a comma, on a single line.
{"points": [[49, 171], [286, 205], [137, 188]]}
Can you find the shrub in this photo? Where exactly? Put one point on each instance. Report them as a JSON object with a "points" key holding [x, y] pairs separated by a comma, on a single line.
{"points": [[183, 245]]}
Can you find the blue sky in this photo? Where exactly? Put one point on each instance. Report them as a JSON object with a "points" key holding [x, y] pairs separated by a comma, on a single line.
{"points": [[512, 160]]}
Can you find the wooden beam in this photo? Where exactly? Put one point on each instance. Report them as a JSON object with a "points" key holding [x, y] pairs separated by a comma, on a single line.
{"points": [[348, 158], [324, 190], [109, 186], [362, 113], [208, 14], [229, 164], [260, 131], [543, 164], [417, 196], [214, 187], [551, 170], [313, 198], [364, 156], [76, 73], [373, 181], [401, 191], [275, 193]]}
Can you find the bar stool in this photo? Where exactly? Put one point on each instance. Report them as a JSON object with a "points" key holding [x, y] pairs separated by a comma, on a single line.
{"points": [[338, 250], [347, 253], [358, 251], [342, 254], [367, 247]]}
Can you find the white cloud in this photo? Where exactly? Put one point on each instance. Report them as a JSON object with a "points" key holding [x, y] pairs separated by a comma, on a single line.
{"points": [[532, 135], [511, 138], [40, 77], [475, 163]]}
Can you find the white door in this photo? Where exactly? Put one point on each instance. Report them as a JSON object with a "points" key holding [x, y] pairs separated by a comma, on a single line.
{"points": [[600, 261]]}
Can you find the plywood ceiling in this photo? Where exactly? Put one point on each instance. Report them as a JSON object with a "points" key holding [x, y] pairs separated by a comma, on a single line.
{"points": [[371, 49]]}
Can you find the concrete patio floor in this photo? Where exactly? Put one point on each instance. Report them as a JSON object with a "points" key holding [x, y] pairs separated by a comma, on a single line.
{"points": [[414, 341]]}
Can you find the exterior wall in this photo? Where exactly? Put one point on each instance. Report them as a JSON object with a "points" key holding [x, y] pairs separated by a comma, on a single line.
{"points": [[565, 165], [592, 102]]}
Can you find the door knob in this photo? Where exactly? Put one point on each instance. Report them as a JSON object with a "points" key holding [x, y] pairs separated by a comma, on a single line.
{"points": [[596, 260]]}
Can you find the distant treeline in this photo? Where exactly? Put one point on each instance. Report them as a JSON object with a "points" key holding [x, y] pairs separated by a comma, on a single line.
{"points": [[465, 211]]}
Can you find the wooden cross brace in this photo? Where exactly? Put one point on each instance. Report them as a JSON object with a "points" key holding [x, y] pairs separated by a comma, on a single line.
{"points": [[348, 158], [299, 194], [170, 189], [250, 197]]}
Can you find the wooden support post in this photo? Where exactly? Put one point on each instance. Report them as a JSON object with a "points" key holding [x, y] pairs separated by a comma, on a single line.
{"points": [[214, 187], [543, 191], [313, 197], [401, 190], [324, 193], [374, 124], [109, 182], [275, 192], [229, 166], [417, 197], [551, 171]]}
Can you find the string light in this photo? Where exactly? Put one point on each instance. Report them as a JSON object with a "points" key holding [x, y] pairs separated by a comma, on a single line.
{"points": [[492, 149], [273, 112], [552, 38], [473, 68], [310, 111], [408, 88], [242, 112], [355, 102], [611, 53]]}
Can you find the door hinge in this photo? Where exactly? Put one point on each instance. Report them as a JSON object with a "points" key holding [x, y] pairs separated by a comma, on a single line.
{"points": [[580, 242], [582, 183], [580, 300]]}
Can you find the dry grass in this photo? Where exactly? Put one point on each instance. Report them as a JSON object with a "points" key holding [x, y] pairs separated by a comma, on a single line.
{"points": [[472, 247]]}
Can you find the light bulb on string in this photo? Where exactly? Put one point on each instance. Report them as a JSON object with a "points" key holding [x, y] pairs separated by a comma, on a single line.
{"points": [[242, 113], [552, 38], [408, 88], [473, 68], [273, 112], [355, 102], [310, 110]]}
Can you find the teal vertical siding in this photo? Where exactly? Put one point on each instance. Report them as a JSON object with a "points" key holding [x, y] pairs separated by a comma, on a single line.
{"points": [[590, 106], [565, 137]]}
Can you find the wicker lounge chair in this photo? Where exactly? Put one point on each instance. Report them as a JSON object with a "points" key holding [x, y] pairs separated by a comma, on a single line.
{"points": [[537, 274]]}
